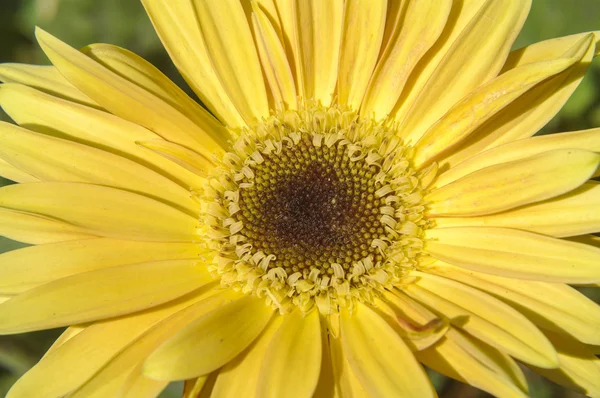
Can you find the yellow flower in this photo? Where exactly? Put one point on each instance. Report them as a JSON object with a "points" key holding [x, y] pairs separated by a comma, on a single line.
{"points": [[361, 195]]}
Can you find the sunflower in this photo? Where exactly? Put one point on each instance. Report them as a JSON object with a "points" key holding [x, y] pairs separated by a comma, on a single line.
{"points": [[360, 194]]}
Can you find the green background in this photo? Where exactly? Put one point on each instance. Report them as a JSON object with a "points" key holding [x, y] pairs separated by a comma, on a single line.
{"points": [[124, 23]]}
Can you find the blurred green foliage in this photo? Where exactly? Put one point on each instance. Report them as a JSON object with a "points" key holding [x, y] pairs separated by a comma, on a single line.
{"points": [[124, 23]]}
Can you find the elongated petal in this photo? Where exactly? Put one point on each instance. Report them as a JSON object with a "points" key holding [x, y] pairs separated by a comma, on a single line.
{"points": [[579, 367], [475, 57], [50, 115], [520, 149], [484, 317], [347, 384], [575, 213], [124, 98], [29, 267], [516, 254], [44, 78], [512, 184], [326, 384], [470, 361], [180, 155], [54, 159], [274, 60], [177, 26], [292, 362], [101, 294], [67, 335], [145, 75], [424, 22], [461, 16], [529, 113], [288, 14], [320, 30], [137, 385], [110, 379], [91, 349], [364, 24], [418, 327], [101, 210], [232, 53], [36, 229], [552, 306], [380, 359], [209, 342], [482, 104], [240, 377], [192, 388], [12, 173]]}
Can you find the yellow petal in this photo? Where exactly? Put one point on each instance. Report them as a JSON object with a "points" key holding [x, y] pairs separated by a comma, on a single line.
{"points": [[176, 24], [380, 359], [67, 335], [579, 367], [192, 388], [100, 294], [55, 117], [525, 116], [12, 173], [110, 379], [240, 377], [418, 327], [209, 342], [461, 15], [472, 362], [546, 49], [552, 306], [103, 211], [584, 139], [425, 20], [475, 57], [274, 60], [35, 229], [230, 48], [320, 30], [145, 75], [137, 385], [508, 185], [26, 268], [326, 385], [91, 349], [54, 159], [346, 383], [288, 14], [44, 78], [180, 155], [364, 24], [482, 104], [515, 254], [571, 214], [292, 363], [484, 317], [125, 99]]}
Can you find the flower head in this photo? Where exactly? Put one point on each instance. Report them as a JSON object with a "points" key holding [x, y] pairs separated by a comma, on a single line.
{"points": [[361, 194]]}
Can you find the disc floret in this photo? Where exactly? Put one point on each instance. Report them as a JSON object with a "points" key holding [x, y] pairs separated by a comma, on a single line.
{"points": [[314, 207]]}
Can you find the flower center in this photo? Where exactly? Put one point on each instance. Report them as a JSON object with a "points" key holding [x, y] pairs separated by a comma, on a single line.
{"points": [[314, 207]]}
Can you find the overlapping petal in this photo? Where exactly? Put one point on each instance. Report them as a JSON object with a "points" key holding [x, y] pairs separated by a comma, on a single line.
{"points": [[379, 358], [26, 268], [210, 342], [101, 211], [515, 254], [101, 294], [484, 317]]}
